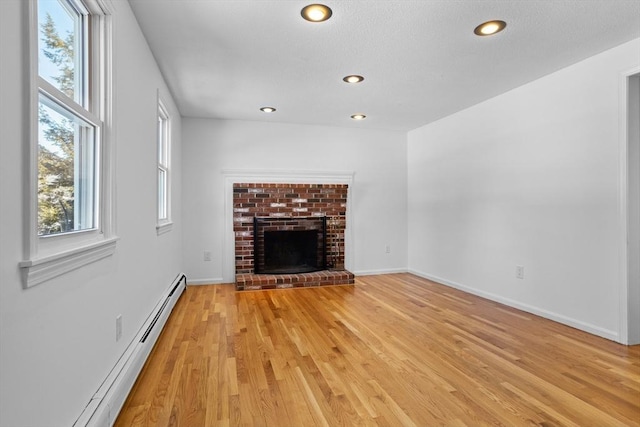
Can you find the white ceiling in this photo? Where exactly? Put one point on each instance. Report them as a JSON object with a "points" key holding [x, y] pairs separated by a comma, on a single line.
{"points": [[420, 59]]}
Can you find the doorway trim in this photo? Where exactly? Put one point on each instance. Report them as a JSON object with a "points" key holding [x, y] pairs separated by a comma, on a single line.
{"points": [[627, 334]]}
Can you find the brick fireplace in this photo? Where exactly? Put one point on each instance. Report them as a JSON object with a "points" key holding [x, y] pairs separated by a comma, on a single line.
{"points": [[292, 205]]}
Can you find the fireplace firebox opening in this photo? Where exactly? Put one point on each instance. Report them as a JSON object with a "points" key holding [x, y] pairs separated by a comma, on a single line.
{"points": [[289, 245]]}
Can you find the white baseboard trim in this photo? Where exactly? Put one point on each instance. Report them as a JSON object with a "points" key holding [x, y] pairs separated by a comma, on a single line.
{"points": [[212, 281], [104, 407], [587, 327], [377, 272]]}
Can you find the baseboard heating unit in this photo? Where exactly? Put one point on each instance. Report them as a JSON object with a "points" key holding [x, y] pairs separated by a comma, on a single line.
{"points": [[104, 406]]}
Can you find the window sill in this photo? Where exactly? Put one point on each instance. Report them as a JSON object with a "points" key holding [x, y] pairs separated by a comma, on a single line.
{"points": [[38, 270], [165, 227]]}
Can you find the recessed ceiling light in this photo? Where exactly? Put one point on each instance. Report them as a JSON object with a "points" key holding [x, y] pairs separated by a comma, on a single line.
{"points": [[358, 117], [316, 13], [268, 109], [489, 28], [353, 78]]}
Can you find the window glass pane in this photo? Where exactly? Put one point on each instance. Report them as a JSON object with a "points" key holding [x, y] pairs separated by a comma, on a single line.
{"points": [[66, 171], [162, 194], [59, 38], [162, 140]]}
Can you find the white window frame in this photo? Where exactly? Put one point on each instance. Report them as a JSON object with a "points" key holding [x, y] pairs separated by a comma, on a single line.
{"points": [[46, 257], [163, 189]]}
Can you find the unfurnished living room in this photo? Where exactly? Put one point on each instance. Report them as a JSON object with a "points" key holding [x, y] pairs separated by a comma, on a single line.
{"points": [[285, 213]]}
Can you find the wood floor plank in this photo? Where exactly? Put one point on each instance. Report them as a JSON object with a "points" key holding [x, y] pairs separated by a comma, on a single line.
{"points": [[393, 350]]}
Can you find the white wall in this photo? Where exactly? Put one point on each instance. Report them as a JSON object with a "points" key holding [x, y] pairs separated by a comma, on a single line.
{"points": [[377, 196], [57, 339], [528, 178]]}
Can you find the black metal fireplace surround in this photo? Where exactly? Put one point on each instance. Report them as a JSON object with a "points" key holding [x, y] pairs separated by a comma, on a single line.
{"points": [[289, 245]]}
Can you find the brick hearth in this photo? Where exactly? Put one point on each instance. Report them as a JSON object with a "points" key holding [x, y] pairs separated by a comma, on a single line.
{"points": [[289, 201], [248, 282]]}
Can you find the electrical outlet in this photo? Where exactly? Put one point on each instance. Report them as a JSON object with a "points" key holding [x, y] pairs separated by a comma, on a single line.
{"points": [[207, 255], [118, 327], [388, 249], [519, 272]]}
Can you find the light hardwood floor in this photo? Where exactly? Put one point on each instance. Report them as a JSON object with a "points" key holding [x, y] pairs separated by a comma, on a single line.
{"points": [[393, 350]]}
